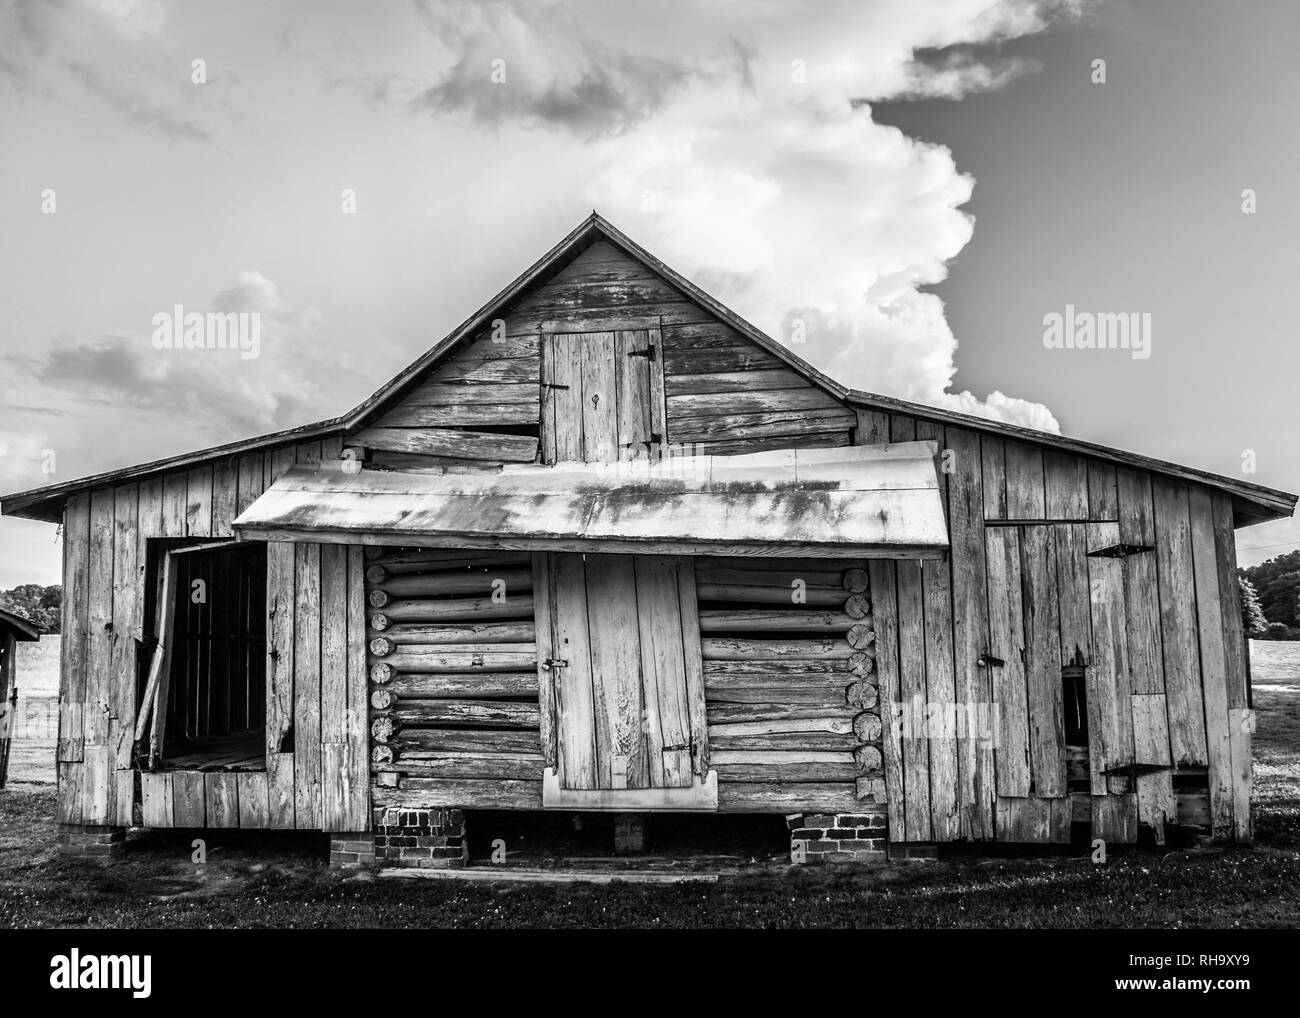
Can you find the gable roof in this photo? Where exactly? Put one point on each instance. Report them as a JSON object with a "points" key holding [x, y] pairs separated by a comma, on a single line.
{"points": [[1252, 503]]}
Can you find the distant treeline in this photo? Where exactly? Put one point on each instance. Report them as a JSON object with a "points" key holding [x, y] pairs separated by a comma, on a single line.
{"points": [[41, 605], [1270, 598]]}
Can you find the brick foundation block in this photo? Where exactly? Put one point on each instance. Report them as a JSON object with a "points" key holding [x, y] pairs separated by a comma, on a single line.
{"points": [[837, 837], [420, 838], [351, 851], [91, 842]]}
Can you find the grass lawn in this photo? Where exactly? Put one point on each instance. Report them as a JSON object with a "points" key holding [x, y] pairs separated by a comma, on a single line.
{"points": [[264, 880]]}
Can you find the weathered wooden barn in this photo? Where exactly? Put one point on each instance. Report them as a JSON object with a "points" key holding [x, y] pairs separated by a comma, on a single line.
{"points": [[607, 547]]}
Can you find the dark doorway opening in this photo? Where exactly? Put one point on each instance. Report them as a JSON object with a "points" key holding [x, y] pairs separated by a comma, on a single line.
{"points": [[1074, 709], [558, 838], [215, 717]]}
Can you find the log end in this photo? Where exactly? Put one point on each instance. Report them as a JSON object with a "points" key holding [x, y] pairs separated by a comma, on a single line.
{"points": [[870, 789], [860, 635], [858, 606], [862, 663], [867, 727], [861, 695], [855, 580], [868, 759]]}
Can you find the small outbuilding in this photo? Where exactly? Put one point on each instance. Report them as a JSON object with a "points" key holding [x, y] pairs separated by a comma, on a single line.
{"points": [[607, 547], [13, 628]]}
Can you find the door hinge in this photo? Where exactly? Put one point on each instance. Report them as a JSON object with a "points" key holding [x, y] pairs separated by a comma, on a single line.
{"points": [[552, 662], [648, 353]]}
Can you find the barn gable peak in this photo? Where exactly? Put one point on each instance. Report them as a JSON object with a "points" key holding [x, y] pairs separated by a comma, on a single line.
{"points": [[626, 305]]}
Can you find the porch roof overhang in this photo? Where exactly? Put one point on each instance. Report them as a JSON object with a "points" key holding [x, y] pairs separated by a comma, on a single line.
{"points": [[868, 501]]}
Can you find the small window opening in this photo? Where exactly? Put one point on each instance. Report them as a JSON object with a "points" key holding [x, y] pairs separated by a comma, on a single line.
{"points": [[1074, 702], [1073, 679]]}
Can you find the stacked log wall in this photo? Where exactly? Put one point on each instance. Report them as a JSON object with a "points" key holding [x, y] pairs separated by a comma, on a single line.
{"points": [[788, 648], [452, 653]]}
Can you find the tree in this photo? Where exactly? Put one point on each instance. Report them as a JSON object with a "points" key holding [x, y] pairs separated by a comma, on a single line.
{"points": [[41, 605], [1252, 615], [1277, 582]]}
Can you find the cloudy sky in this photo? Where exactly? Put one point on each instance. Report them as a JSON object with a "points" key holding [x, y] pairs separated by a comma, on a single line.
{"points": [[919, 181]]}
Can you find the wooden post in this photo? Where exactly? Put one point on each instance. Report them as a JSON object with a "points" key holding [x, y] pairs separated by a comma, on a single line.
{"points": [[159, 671], [9, 697], [630, 833]]}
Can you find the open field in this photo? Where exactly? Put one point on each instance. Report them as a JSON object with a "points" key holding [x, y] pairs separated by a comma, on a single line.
{"points": [[1275, 685], [282, 881]]}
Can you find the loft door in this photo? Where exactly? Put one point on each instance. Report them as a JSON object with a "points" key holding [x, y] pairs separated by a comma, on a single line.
{"points": [[602, 395]]}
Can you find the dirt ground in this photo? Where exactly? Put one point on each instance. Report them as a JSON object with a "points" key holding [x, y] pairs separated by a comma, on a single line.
{"points": [[263, 879]]}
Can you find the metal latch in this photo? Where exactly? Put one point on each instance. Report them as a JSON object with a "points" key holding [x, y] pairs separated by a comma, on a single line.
{"points": [[554, 662], [988, 660], [648, 353]]}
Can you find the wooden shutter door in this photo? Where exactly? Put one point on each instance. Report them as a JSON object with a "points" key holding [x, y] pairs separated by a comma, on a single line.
{"points": [[1007, 645], [1025, 635], [625, 673], [671, 669], [621, 752], [602, 395]]}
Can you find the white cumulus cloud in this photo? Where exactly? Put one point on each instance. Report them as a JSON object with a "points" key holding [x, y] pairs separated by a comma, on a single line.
{"points": [[750, 160]]}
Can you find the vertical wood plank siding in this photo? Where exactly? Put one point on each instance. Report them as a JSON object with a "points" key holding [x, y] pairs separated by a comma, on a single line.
{"points": [[970, 617], [1158, 629], [106, 534]]}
